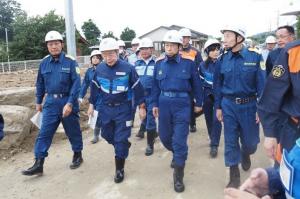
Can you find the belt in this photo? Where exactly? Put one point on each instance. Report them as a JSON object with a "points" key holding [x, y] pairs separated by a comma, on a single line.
{"points": [[241, 100], [116, 104], [174, 94], [58, 95]]}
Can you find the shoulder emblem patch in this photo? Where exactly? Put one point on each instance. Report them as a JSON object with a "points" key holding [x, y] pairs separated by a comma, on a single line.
{"points": [[278, 71], [77, 70], [262, 65]]}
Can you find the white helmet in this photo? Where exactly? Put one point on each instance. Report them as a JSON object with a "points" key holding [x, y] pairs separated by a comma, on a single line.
{"points": [[248, 42], [185, 32], [53, 36], [95, 52], [146, 43], [239, 30], [108, 44], [121, 43], [271, 40], [210, 42], [135, 41], [173, 36]]}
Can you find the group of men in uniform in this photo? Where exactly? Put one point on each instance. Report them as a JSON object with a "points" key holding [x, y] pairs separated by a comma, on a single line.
{"points": [[174, 88]]}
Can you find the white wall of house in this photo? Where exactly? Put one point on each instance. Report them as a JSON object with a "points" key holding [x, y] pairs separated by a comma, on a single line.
{"points": [[157, 35]]}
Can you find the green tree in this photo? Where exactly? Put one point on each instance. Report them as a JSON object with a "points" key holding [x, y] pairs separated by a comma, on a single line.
{"points": [[91, 32], [9, 9], [109, 34], [29, 35], [127, 34]]}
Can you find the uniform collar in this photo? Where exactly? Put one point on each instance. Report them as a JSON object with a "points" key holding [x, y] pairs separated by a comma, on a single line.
{"points": [[60, 58], [187, 48], [176, 58], [242, 52], [146, 61], [117, 62]]}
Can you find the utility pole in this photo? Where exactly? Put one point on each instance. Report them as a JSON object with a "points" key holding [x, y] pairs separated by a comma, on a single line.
{"points": [[70, 28], [7, 48]]}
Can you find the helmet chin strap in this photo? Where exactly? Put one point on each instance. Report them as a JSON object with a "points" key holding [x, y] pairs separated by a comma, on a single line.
{"points": [[236, 43]]}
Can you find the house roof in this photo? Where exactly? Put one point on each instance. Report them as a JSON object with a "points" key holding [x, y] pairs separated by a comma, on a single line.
{"points": [[195, 34]]}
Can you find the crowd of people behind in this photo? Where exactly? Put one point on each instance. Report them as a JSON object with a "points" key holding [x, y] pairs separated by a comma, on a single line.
{"points": [[236, 87]]}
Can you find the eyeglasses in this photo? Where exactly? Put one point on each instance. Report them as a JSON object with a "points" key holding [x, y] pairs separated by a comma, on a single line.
{"points": [[282, 36]]}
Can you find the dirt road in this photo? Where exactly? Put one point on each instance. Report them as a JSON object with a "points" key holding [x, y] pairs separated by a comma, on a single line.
{"points": [[146, 177]]}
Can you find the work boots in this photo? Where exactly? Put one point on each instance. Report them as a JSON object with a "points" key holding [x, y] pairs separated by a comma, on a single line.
{"points": [[119, 176], [213, 151], [96, 135], [141, 132], [178, 178], [77, 160], [150, 142], [193, 128], [246, 161], [235, 180], [172, 165], [36, 169]]}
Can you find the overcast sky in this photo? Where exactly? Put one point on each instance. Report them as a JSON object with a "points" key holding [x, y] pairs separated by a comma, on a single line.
{"points": [[207, 16]]}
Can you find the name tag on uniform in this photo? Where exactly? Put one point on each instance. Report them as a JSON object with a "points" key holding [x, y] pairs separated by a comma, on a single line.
{"points": [[250, 64], [120, 73], [286, 172], [120, 88], [65, 69]]}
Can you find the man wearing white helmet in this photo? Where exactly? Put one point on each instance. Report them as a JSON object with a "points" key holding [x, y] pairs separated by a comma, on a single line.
{"points": [[122, 50], [59, 80], [188, 50], [206, 70], [115, 81], [175, 80], [238, 82], [270, 45], [135, 48], [95, 58], [144, 67]]}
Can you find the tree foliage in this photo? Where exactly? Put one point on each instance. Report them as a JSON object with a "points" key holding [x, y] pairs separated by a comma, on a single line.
{"points": [[127, 34], [109, 34], [9, 9], [91, 32], [29, 38]]}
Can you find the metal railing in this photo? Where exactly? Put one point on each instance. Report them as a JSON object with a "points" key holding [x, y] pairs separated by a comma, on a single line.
{"points": [[6, 67]]}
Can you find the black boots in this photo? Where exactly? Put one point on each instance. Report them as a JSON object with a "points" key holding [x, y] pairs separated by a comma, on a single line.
{"points": [[150, 142], [77, 160], [246, 161], [141, 132], [172, 165], [235, 180], [96, 135], [213, 151], [119, 176], [178, 178], [193, 128], [36, 169]]}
